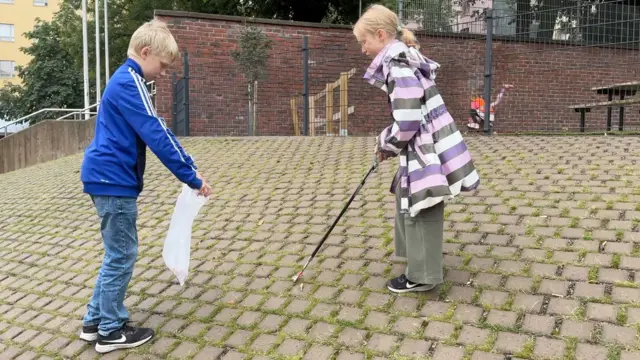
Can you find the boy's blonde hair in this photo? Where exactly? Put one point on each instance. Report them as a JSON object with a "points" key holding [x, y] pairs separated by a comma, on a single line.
{"points": [[378, 17], [156, 35]]}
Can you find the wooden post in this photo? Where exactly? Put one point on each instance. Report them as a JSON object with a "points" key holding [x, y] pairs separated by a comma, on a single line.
{"points": [[344, 102], [329, 109], [294, 115]]}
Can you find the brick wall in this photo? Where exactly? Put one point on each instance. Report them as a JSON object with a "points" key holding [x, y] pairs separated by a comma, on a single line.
{"points": [[548, 78]]}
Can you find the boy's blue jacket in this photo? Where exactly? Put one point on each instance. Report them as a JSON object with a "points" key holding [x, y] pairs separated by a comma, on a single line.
{"points": [[127, 123]]}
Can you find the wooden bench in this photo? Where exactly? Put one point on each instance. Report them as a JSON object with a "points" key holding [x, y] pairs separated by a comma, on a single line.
{"points": [[585, 108]]}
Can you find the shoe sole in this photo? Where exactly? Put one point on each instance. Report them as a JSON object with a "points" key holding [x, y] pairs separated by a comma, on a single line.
{"points": [[103, 349], [417, 288], [89, 336]]}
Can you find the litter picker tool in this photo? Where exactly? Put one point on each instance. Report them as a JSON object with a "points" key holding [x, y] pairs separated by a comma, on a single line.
{"points": [[335, 222]]}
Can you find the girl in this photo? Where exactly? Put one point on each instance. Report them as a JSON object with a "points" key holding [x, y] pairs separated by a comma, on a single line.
{"points": [[435, 164], [476, 114]]}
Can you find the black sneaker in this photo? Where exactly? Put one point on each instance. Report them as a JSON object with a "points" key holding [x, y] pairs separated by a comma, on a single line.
{"points": [[402, 285], [89, 333], [126, 338]]}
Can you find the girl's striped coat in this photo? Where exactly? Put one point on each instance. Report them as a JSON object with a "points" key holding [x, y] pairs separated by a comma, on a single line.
{"points": [[435, 163]]}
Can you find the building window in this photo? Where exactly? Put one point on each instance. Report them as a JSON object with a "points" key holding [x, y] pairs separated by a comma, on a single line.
{"points": [[7, 68], [39, 2], [6, 32], [6, 1]]}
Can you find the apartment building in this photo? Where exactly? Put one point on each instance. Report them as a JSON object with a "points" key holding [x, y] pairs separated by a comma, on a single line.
{"points": [[16, 18]]}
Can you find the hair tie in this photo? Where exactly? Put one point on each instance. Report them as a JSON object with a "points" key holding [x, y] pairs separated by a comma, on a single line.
{"points": [[400, 27]]}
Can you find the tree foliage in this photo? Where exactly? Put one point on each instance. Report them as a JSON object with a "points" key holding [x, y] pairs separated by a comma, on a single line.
{"points": [[252, 57], [50, 79]]}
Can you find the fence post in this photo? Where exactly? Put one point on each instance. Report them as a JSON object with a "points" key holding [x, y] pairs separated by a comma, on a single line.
{"points": [[174, 104], [187, 126], [305, 84], [487, 71], [400, 8]]}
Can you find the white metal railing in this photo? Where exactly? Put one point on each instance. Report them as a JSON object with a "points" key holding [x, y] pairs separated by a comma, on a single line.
{"points": [[4, 128], [76, 113]]}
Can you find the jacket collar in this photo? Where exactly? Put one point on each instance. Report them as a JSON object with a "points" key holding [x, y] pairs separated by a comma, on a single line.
{"points": [[135, 66], [378, 70]]}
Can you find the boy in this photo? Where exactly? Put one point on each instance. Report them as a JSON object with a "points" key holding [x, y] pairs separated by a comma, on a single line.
{"points": [[112, 173]]}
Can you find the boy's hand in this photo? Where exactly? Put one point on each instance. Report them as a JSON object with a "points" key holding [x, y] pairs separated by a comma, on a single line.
{"points": [[205, 190]]}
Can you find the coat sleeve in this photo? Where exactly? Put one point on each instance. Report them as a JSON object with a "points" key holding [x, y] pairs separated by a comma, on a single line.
{"points": [[406, 94], [138, 111]]}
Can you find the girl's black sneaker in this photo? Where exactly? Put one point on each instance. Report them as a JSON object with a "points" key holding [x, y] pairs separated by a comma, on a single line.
{"points": [[402, 285]]}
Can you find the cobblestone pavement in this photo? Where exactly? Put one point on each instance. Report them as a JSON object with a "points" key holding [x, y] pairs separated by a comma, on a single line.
{"points": [[541, 261]]}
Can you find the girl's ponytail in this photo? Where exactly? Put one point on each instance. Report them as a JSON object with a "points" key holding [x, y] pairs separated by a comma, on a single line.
{"points": [[409, 38]]}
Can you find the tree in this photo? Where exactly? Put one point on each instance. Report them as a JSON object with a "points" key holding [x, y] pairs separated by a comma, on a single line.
{"points": [[252, 56], [11, 106]]}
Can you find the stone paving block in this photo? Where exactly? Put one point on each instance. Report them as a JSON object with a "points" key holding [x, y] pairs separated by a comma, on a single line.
{"points": [[439, 330], [510, 342], [377, 320], [264, 342], [346, 355], [480, 355], [618, 334], [563, 306], [322, 331], [161, 346], [291, 347], [184, 350], [319, 352], [470, 335], [434, 308], [238, 338], [586, 290], [578, 329], [543, 270], [553, 287], [528, 303], [602, 312], [467, 314], [538, 324], [234, 355], [352, 337], [493, 298], [414, 348], [56, 344], [612, 275], [382, 343], [591, 352], [546, 348], [627, 355], [11, 352], [349, 314], [633, 315], [208, 353], [27, 355], [625, 295], [444, 352], [502, 318]]}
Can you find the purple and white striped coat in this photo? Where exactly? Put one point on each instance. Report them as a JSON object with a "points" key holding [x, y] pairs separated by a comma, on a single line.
{"points": [[435, 163]]}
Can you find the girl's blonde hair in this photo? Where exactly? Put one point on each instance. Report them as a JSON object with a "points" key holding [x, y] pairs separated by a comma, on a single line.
{"points": [[156, 35], [378, 17]]}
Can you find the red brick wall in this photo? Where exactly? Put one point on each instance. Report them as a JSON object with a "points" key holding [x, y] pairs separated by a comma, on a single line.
{"points": [[548, 78]]}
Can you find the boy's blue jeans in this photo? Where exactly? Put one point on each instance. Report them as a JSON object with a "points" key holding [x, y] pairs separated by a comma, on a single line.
{"points": [[118, 217]]}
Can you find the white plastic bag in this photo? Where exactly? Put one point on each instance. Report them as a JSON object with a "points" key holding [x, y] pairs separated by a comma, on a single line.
{"points": [[177, 244]]}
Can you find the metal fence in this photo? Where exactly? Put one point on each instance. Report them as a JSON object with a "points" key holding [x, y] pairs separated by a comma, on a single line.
{"points": [[570, 67]]}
